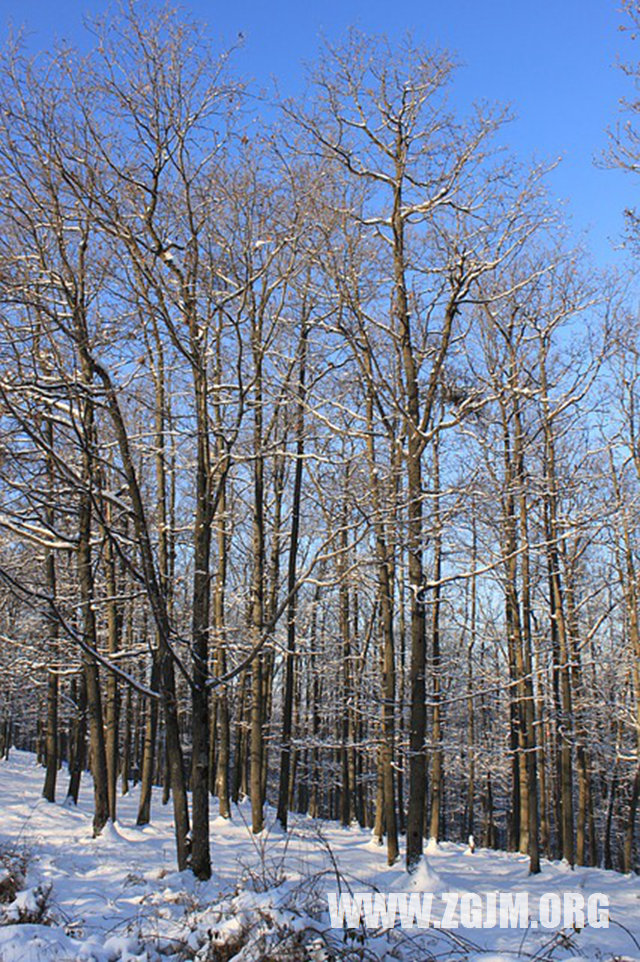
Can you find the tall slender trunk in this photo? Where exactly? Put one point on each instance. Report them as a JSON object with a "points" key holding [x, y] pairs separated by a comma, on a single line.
{"points": [[223, 533], [584, 814], [87, 608], [148, 754], [221, 781], [471, 787], [354, 761], [517, 826], [126, 742], [239, 767], [560, 641], [149, 747], [613, 790], [49, 789], [200, 852], [530, 811], [437, 774], [314, 701], [257, 589], [114, 633], [402, 632], [418, 717], [346, 786], [272, 587], [386, 796], [77, 737], [287, 709]]}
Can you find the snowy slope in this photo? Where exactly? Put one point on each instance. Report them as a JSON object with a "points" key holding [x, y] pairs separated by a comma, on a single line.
{"points": [[118, 897]]}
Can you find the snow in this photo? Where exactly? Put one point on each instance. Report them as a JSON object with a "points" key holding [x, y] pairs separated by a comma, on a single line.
{"points": [[118, 898], [423, 879]]}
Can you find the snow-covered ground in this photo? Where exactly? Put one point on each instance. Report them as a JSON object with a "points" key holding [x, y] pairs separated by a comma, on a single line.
{"points": [[118, 897]]}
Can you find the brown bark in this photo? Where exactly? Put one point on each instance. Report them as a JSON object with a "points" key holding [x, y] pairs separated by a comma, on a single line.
{"points": [[560, 640], [89, 635], [437, 774], [257, 589], [149, 748], [77, 737], [284, 789], [49, 789]]}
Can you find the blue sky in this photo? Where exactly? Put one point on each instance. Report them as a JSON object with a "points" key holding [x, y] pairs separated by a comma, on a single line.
{"points": [[554, 61]]}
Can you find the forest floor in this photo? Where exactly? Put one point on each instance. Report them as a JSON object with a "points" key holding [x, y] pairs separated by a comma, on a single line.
{"points": [[65, 896]]}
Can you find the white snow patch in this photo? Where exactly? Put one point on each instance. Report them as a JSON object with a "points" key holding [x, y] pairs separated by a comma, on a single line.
{"points": [[118, 898]]}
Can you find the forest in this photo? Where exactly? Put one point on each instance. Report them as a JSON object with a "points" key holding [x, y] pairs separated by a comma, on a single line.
{"points": [[319, 453]]}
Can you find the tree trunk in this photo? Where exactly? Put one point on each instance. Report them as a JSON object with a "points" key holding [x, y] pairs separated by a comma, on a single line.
{"points": [[126, 742], [257, 586], [222, 771], [149, 748], [530, 811], [89, 637], [436, 661], [77, 737], [114, 633], [49, 790], [287, 708]]}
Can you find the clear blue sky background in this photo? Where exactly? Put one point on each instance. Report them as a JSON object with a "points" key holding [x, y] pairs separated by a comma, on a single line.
{"points": [[554, 61]]}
